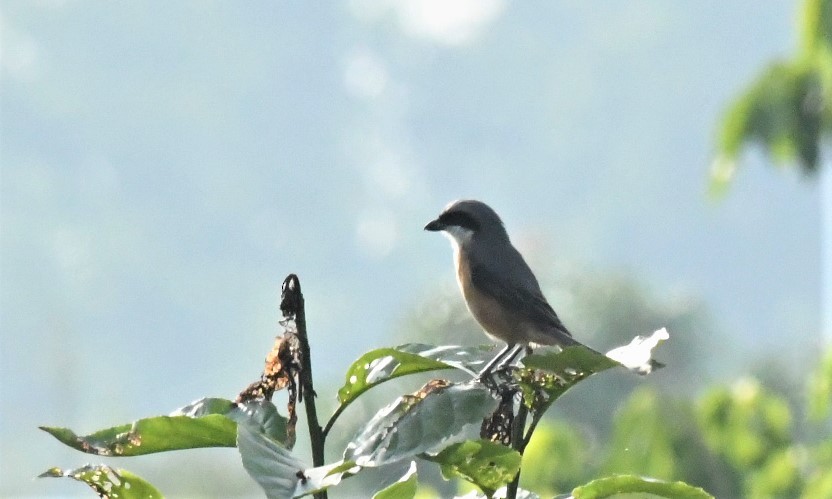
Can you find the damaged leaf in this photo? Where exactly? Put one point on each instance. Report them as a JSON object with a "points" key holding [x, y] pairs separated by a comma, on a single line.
{"points": [[321, 478], [279, 472], [549, 375], [384, 364], [571, 362], [108, 482], [435, 416], [468, 359], [380, 365], [403, 488], [498, 426], [637, 356], [486, 464], [149, 435], [271, 465], [281, 370], [209, 422], [263, 415]]}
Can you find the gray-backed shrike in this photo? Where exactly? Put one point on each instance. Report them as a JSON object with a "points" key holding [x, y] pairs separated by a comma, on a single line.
{"points": [[499, 288]]}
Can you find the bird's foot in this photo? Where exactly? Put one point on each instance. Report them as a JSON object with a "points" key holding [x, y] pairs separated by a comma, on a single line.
{"points": [[500, 380]]}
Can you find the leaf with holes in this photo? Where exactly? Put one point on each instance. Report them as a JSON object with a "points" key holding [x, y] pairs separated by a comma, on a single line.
{"points": [[436, 416], [108, 482], [486, 464], [380, 365], [384, 364], [468, 359], [207, 422], [547, 376]]}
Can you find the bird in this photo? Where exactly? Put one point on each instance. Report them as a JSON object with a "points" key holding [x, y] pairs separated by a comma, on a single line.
{"points": [[499, 288]]}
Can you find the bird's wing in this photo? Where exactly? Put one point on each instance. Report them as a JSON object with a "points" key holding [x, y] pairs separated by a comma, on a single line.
{"points": [[529, 303]]}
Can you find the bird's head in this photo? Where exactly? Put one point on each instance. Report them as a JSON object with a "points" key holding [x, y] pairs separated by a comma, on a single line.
{"points": [[468, 218]]}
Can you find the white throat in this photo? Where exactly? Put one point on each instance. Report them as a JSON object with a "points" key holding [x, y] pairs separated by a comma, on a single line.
{"points": [[458, 235]]}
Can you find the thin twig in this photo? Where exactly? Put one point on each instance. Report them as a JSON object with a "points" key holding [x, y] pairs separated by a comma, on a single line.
{"points": [[332, 418], [538, 415]]}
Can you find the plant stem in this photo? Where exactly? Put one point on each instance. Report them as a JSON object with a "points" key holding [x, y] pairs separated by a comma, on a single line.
{"points": [[293, 298], [535, 419], [518, 444], [332, 419]]}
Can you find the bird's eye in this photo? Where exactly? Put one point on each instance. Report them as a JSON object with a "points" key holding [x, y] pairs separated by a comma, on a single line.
{"points": [[460, 219]]}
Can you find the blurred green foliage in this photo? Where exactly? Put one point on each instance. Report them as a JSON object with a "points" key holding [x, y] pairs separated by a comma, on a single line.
{"points": [[557, 458], [787, 108], [734, 441], [745, 423], [820, 389]]}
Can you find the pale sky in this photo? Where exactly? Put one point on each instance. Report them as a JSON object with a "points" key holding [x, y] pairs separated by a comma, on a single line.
{"points": [[166, 165]]}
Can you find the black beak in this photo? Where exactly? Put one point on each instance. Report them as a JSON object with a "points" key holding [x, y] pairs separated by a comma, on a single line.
{"points": [[435, 226]]}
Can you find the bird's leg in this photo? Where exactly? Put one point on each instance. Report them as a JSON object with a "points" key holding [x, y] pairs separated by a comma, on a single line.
{"points": [[510, 357], [503, 369], [488, 367]]}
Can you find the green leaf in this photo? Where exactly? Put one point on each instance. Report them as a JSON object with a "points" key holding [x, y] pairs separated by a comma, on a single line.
{"points": [[279, 472], [785, 110], [570, 362], [263, 415], [468, 359], [521, 494], [323, 477], [146, 436], [204, 407], [816, 27], [630, 484], [404, 488], [549, 375], [384, 364], [205, 423], [108, 482], [486, 464], [563, 369], [436, 416], [271, 465]]}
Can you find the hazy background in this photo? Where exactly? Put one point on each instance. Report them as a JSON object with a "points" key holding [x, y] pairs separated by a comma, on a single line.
{"points": [[166, 164]]}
